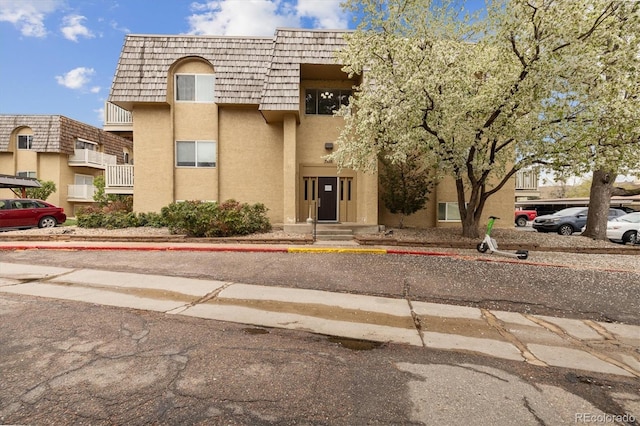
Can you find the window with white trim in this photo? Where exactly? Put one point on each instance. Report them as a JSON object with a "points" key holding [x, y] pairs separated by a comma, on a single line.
{"points": [[84, 144], [26, 174], [25, 141], [195, 87], [448, 212], [195, 153]]}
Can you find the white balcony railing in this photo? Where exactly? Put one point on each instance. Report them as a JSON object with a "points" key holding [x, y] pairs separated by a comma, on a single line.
{"points": [[118, 179], [527, 180], [80, 192], [116, 116], [89, 158]]}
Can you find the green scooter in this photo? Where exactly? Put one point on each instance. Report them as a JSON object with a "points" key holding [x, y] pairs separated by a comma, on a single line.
{"points": [[491, 245]]}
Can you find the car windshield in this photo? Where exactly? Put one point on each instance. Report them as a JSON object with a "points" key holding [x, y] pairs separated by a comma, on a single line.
{"points": [[572, 211], [631, 217]]}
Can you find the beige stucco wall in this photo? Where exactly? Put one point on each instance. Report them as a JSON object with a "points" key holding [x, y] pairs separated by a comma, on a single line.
{"points": [[250, 154], [153, 151]]}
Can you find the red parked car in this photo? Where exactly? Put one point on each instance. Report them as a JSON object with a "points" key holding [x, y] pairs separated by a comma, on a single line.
{"points": [[28, 213], [524, 216]]}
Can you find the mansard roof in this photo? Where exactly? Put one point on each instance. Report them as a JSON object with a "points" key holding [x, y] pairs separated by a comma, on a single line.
{"points": [[57, 133], [249, 70]]}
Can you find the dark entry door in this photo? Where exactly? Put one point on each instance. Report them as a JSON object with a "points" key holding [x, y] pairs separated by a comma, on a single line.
{"points": [[328, 198]]}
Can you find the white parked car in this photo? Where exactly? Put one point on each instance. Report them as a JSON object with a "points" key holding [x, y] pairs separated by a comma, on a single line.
{"points": [[624, 229]]}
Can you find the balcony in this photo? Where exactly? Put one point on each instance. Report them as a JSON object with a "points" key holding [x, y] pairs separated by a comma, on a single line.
{"points": [[118, 179], [89, 158], [80, 193], [527, 184], [116, 119]]}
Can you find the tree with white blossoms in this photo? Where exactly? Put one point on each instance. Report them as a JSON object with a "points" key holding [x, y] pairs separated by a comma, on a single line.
{"points": [[480, 96], [610, 113]]}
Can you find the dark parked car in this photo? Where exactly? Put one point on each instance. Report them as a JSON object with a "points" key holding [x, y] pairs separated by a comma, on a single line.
{"points": [[28, 213], [568, 221]]}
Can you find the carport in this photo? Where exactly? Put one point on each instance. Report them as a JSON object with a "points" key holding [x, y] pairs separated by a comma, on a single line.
{"points": [[18, 182]]}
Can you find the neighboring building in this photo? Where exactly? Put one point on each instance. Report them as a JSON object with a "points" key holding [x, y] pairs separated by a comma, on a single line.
{"points": [[250, 118], [59, 149], [527, 185]]}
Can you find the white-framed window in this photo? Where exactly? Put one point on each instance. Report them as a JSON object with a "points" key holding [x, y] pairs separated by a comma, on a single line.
{"points": [[26, 174], [448, 212], [85, 144], [195, 153], [325, 101], [25, 141], [83, 180], [195, 87]]}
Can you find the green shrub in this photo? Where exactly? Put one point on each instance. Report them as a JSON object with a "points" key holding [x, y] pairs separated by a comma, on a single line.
{"points": [[192, 218], [210, 219], [151, 219], [115, 216]]}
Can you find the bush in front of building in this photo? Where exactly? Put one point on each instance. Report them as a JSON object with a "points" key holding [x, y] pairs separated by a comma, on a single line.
{"points": [[116, 215], [212, 219]]}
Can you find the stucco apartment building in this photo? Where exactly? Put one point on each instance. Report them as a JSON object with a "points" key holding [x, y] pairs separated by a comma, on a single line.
{"points": [[251, 118], [58, 149]]}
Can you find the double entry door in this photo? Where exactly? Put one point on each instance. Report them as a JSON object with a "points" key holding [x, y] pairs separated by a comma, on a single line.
{"points": [[327, 198]]}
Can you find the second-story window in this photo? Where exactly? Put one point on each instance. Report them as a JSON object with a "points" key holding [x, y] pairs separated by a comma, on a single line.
{"points": [[82, 144], [325, 101], [25, 141], [195, 87]]}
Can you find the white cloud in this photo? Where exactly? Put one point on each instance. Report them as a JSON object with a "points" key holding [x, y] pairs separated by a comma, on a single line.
{"points": [[241, 17], [72, 27], [120, 28], [77, 78], [100, 114], [262, 17], [324, 13], [28, 15]]}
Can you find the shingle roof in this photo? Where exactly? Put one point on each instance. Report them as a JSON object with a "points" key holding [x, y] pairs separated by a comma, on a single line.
{"points": [[291, 49], [143, 67], [249, 70], [57, 133]]}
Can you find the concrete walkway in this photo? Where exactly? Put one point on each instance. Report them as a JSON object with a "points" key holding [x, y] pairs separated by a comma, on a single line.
{"points": [[540, 340]]}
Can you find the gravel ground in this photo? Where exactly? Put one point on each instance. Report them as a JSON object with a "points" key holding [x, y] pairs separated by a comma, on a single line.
{"points": [[502, 235], [523, 236]]}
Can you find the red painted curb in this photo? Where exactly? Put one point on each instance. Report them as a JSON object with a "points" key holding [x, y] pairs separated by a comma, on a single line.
{"points": [[149, 248]]}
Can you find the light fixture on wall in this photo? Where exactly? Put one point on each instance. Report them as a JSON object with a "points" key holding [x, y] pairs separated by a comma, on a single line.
{"points": [[328, 146]]}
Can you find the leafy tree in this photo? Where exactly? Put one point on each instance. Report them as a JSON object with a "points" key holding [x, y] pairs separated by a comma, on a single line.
{"points": [[405, 184], [48, 187], [481, 96], [609, 128], [124, 202]]}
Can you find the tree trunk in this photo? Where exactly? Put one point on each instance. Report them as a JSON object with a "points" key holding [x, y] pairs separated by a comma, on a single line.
{"points": [[471, 210], [599, 202]]}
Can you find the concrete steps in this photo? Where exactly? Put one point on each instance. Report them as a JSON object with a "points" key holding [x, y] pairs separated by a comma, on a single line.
{"points": [[334, 234]]}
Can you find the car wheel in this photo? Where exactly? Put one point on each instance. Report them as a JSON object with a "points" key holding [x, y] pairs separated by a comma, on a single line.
{"points": [[630, 237], [565, 230], [521, 221], [47, 222]]}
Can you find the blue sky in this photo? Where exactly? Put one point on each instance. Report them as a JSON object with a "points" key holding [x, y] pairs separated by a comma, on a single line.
{"points": [[59, 56]]}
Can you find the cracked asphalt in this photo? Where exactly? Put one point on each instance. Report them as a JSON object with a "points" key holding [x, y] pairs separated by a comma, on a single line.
{"points": [[73, 363]]}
